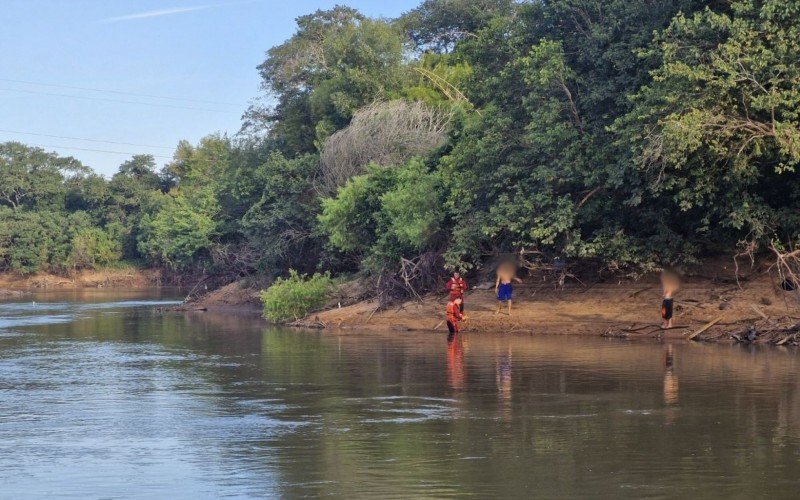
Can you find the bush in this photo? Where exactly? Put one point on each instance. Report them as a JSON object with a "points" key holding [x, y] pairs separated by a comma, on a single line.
{"points": [[178, 232], [296, 296], [92, 247]]}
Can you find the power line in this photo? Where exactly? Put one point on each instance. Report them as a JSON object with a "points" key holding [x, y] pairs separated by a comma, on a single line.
{"points": [[85, 139], [119, 92], [105, 99], [95, 150]]}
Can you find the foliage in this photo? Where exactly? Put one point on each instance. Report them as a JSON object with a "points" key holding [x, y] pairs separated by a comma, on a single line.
{"points": [[439, 24], [725, 156], [386, 214], [32, 242], [280, 225], [631, 134], [337, 62], [176, 234], [296, 296], [30, 177], [351, 220], [92, 247]]}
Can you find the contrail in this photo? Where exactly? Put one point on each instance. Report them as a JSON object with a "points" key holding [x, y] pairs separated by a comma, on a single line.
{"points": [[157, 13]]}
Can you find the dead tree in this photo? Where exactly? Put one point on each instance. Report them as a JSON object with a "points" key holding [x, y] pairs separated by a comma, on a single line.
{"points": [[386, 133]]}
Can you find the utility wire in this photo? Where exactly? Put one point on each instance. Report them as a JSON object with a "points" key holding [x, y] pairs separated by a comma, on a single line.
{"points": [[85, 139], [119, 92], [96, 150], [158, 105]]}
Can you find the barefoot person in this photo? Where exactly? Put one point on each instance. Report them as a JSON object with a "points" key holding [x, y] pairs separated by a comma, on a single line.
{"points": [[506, 274], [457, 286], [454, 315], [669, 283]]}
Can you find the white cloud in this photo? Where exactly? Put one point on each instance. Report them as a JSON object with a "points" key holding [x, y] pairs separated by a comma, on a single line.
{"points": [[156, 13]]}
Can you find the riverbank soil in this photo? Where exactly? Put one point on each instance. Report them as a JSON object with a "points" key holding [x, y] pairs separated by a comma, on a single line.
{"points": [[130, 277], [753, 305], [235, 297]]}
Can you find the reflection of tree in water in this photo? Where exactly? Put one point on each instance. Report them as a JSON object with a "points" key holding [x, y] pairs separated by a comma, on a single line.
{"points": [[321, 409]]}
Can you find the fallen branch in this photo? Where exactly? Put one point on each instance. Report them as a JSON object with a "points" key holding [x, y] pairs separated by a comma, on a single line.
{"points": [[634, 294], [758, 311], [706, 326], [373, 313]]}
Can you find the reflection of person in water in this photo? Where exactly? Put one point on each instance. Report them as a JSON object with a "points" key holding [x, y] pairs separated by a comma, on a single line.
{"points": [[670, 379], [503, 378], [455, 361]]}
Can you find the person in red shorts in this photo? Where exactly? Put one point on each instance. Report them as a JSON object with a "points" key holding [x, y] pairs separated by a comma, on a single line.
{"points": [[457, 286], [454, 315]]}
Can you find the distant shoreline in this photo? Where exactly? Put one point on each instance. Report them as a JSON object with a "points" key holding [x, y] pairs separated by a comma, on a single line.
{"points": [[125, 277]]}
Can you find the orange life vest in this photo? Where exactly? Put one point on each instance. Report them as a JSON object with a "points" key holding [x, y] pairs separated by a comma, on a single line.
{"points": [[453, 312]]}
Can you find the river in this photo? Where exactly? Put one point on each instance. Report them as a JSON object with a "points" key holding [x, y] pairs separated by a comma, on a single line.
{"points": [[103, 395]]}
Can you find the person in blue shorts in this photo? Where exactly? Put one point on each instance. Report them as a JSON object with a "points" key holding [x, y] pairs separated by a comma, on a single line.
{"points": [[506, 274]]}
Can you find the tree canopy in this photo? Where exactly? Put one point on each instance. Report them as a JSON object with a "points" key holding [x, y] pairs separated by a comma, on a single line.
{"points": [[632, 134]]}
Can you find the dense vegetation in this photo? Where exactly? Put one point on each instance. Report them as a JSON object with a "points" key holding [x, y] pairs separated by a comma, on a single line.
{"points": [[631, 134], [292, 298]]}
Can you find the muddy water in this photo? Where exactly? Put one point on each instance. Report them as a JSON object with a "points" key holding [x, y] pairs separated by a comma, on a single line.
{"points": [[102, 395]]}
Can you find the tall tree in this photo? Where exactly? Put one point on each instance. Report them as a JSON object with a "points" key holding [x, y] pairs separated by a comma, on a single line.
{"points": [[337, 62]]}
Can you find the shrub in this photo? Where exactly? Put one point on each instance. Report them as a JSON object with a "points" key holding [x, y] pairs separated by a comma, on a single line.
{"points": [[93, 247], [179, 231], [294, 297]]}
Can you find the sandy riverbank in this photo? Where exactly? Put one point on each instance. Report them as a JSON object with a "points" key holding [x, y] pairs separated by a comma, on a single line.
{"points": [[621, 308], [130, 277]]}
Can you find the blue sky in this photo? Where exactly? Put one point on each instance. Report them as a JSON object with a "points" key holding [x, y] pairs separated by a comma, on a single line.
{"points": [[205, 52]]}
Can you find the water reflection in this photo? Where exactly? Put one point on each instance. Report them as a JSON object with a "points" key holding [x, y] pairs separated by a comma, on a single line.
{"points": [[504, 383], [122, 398], [670, 379], [456, 373]]}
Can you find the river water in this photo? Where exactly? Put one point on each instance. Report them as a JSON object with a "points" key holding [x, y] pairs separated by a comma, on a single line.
{"points": [[102, 395]]}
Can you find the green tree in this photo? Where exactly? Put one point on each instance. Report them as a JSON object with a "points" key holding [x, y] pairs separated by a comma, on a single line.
{"points": [[179, 233], [30, 176], [92, 247], [338, 61], [280, 225], [439, 24], [717, 132]]}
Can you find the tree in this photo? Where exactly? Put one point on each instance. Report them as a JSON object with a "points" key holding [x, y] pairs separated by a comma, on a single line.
{"points": [[177, 234], [280, 226], [134, 191], [337, 62], [386, 214], [384, 133], [439, 24], [31, 176], [717, 132], [92, 247]]}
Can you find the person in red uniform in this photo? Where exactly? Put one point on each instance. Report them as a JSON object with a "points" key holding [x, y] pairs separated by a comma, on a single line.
{"points": [[454, 315], [457, 286]]}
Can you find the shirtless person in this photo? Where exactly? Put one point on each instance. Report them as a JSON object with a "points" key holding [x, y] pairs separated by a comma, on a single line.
{"points": [[506, 274], [669, 283]]}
